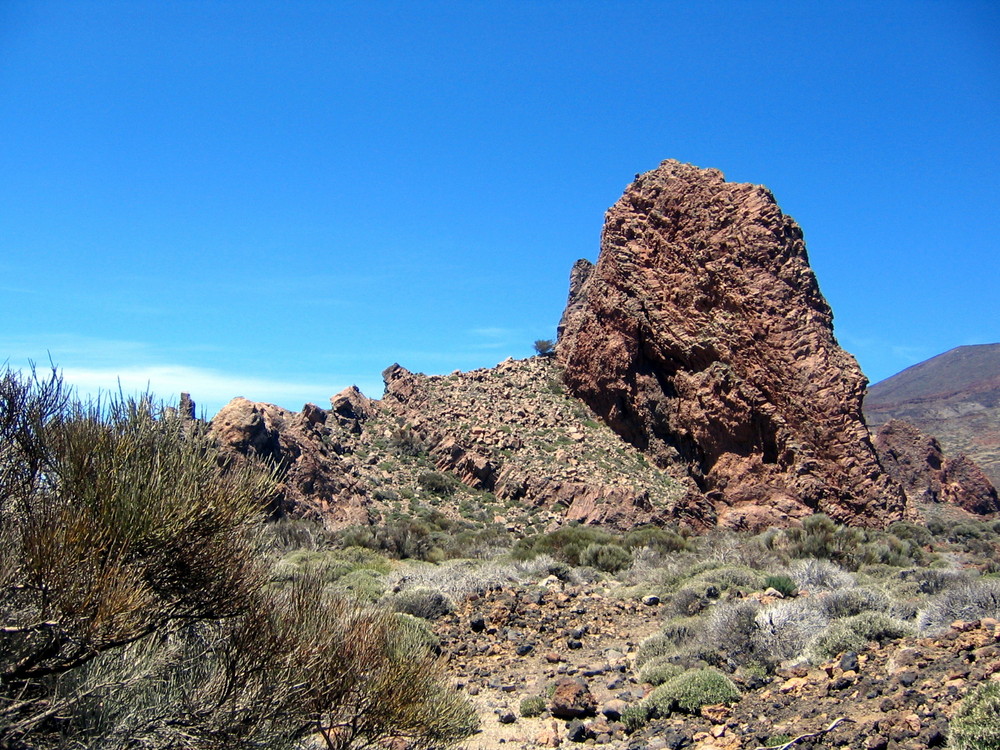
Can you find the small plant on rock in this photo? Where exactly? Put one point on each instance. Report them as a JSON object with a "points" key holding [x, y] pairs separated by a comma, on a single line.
{"points": [[782, 584], [544, 347]]}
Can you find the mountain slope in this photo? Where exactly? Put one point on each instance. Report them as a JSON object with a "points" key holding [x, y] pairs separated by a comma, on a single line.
{"points": [[954, 396]]}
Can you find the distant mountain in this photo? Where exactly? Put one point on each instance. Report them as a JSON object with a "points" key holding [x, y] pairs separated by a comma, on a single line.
{"points": [[954, 396]]}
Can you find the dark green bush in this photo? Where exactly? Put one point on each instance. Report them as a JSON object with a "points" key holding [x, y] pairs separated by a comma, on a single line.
{"points": [[421, 602], [566, 544], [656, 538], [438, 483], [607, 557], [976, 724]]}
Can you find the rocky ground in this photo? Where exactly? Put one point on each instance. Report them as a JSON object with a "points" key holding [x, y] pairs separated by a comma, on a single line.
{"points": [[510, 644]]}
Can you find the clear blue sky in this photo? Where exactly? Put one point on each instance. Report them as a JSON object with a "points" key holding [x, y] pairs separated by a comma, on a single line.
{"points": [[279, 199]]}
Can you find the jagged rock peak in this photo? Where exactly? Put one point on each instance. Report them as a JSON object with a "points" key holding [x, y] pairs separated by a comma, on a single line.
{"points": [[701, 337]]}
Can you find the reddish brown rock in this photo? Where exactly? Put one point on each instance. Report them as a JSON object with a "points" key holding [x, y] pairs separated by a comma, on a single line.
{"points": [[572, 699], [702, 338], [916, 461], [316, 481]]}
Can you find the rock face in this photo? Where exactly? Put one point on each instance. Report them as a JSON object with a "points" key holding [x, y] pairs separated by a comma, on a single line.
{"points": [[702, 338], [917, 463], [317, 481]]}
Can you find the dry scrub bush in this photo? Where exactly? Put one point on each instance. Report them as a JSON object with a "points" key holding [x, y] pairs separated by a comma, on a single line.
{"points": [[819, 575], [847, 602], [783, 630], [133, 610], [854, 633], [969, 601]]}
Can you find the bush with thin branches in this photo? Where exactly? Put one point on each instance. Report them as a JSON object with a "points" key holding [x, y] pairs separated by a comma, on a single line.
{"points": [[134, 606]]}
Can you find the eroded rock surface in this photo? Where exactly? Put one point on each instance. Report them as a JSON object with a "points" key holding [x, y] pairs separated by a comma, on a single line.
{"points": [[916, 461], [702, 338], [317, 480]]}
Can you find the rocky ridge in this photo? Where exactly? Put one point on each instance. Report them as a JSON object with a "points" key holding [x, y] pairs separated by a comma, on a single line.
{"points": [[702, 338], [539, 461], [954, 396], [697, 383]]}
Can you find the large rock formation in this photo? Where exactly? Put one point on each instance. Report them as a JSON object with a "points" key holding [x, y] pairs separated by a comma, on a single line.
{"points": [[319, 476], [702, 338], [916, 461]]}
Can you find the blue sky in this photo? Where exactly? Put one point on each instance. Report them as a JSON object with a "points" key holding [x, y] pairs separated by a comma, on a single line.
{"points": [[279, 199]]}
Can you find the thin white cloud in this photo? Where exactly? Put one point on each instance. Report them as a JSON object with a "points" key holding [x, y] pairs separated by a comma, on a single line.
{"points": [[493, 332], [210, 389]]}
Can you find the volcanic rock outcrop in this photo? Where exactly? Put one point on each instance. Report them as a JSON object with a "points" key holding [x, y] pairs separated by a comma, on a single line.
{"points": [[702, 338], [319, 478], [916, 461]]}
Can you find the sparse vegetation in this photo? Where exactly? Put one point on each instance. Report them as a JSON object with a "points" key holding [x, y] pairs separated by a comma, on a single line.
{"points": [[533, 705], [135, 604]]}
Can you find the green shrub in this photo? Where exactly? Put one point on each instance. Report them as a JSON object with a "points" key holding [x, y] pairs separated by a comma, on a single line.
{"points": [[533, 705], [416, 634], [659, 670], [782, 584], [607, 557], [976, 724], [438, 483], [854, 633], [655, 538], [635, 717], [566, 544], [689, 691], [421, 602], [363, 585], [654, 646], [778, 740]]}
